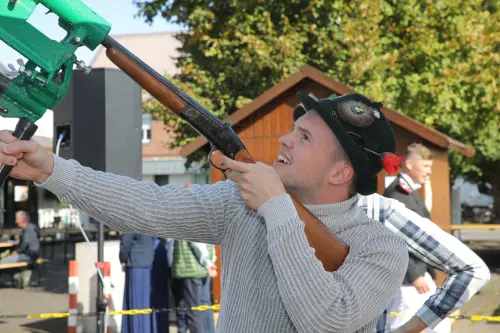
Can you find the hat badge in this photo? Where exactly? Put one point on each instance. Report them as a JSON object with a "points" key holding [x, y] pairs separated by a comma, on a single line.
{"points": [[375, 112], [356, 109]]}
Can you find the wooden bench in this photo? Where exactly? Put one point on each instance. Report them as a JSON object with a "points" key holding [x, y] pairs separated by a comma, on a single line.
{"points": [[24, 268]]}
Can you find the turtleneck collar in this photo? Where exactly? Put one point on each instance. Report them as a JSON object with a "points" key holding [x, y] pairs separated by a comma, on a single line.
{"points": [[333, 209]]}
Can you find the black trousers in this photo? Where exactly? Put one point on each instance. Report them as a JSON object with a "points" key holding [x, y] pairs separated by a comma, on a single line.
{"points": [[187, 293]]}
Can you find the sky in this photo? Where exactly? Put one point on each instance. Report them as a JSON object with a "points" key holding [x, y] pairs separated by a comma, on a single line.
{"points": [[121, 23]]}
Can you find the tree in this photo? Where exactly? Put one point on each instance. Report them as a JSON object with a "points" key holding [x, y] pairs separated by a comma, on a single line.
{"points": [[436, 61]]}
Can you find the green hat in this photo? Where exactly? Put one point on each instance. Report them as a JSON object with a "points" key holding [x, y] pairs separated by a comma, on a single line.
{"points": [[362, 130]]}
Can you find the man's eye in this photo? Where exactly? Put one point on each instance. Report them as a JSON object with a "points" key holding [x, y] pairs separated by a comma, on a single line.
{"points": [[305, 137]]}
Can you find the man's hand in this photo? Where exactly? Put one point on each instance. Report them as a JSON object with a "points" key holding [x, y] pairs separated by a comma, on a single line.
{"points": [[258, 182], [30, 160], [421, 285], [414, 325], [212, 271]]}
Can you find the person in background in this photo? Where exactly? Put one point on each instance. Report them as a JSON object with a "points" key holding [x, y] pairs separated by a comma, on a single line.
{"points": [[28, 249], [206, 257], [160, 275], [136, 256], [187, 279], [418, 284], [29, 246]]}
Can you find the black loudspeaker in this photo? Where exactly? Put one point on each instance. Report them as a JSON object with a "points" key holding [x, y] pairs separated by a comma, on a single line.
{"points": [[100, 121]]}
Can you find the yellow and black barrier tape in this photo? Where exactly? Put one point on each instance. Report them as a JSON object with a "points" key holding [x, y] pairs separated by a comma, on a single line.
{"points": [[199, 308], [131, 312]]}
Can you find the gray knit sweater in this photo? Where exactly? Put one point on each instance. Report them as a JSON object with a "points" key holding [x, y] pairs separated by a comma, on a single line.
{"points": [[271, 280]]}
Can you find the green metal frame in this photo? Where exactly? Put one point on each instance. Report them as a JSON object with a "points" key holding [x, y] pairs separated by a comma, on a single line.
{"points": [[45, 78]]}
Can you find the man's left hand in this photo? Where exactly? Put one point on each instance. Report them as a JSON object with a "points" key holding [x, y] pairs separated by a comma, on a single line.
{"points": [[414, 325], [399, 330], [258, 182]]}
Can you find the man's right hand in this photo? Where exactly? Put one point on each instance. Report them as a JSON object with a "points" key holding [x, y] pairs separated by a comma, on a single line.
{"points": [[30, 160], [212, 271], [421, 285]]}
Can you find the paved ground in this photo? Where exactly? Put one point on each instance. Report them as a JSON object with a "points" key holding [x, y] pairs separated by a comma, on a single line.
{"points": [[51, 296], [487, 302]]}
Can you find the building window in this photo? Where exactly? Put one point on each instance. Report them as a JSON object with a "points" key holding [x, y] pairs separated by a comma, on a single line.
{"points": [[147, 121], [161, 179], [146, 135]]}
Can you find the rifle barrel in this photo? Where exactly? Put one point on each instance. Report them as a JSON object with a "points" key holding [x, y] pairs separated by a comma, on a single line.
{"points": [[111, 44]]}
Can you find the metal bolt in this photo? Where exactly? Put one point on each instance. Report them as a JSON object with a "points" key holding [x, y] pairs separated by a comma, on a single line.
{"points": [[81, 65], [3, 110], [76, 40]]}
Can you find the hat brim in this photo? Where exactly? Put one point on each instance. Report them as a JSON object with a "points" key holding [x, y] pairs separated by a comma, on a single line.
{"points": [[367, 184]]}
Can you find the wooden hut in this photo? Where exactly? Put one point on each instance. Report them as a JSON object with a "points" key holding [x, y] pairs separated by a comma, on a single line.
{"points": [[260, 124]]}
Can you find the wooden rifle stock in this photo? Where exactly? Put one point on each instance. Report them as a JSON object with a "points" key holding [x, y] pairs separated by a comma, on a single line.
{"points": [[329, 249]]}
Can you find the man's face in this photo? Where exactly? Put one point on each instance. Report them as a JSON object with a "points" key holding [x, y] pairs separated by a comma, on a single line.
{"points": [[305, 160], [19, 221], [419, 169]]}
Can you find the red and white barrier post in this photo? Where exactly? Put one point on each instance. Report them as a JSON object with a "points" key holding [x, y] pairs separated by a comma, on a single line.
{"points": [[73, 287]]}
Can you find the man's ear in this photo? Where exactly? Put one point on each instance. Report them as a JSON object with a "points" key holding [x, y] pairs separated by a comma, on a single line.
{"points": [[408, 164], [342, 174]]}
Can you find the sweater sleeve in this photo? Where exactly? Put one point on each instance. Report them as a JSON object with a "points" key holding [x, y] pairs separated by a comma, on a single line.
{"points": [[195, 214], [341, 301]]}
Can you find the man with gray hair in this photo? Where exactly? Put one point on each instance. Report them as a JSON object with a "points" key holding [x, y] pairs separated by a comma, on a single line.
{"points": [[29, 246]]}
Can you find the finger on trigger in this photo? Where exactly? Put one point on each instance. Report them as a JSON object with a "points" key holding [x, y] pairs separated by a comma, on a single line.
{"points": [[235, 165], [234, 176]]}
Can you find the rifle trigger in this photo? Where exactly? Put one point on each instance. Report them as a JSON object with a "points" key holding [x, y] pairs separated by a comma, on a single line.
{"points": [[213, 150]]}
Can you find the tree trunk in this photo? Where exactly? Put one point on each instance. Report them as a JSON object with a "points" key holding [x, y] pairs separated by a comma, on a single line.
{"points": [[495, 193]]}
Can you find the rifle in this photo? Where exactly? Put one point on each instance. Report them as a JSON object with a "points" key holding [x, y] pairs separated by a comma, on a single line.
{"points": [[87, 28]]}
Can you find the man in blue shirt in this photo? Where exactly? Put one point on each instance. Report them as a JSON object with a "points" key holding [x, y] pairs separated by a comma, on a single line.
{"points": [[29, 246]]}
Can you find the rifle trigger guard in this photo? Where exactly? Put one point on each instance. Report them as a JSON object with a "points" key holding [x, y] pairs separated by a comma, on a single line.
{"points": [[213, 150]]}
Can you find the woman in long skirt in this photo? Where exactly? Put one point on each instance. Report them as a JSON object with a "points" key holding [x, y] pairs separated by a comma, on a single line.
{"points": [[159, 283], [136, 256]]}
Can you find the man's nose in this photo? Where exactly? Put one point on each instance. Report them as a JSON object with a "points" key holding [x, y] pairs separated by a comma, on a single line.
{"points": [[286, 140]]}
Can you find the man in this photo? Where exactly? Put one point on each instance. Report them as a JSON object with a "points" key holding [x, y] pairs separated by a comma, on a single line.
{"points": [[29, 246], [272, 281], [418, 284], [189, 271], [467, 272], [206, 257]]}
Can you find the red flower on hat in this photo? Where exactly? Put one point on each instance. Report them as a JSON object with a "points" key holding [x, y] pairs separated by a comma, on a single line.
{"points": [[390, 162]]}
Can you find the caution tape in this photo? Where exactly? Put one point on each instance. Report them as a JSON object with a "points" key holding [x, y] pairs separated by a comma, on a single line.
{"points": [[216, 307], [132, 312], [457, 317]]}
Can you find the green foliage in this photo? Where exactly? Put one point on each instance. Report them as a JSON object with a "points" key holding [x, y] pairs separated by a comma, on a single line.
{"points": [[182, 133], [437, 61]]}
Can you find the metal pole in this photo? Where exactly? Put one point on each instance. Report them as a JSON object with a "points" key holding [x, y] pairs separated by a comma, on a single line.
{"points": [[101, 302]]}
